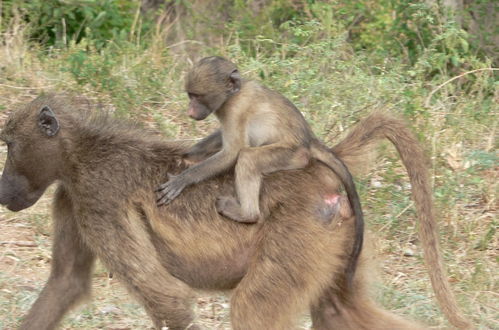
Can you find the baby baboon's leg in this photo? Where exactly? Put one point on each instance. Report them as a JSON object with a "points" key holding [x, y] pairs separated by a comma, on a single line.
{"points": [[70, 274], [251, 164]]}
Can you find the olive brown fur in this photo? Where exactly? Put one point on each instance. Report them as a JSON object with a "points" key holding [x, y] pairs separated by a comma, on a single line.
{"points": [[104, 207]]}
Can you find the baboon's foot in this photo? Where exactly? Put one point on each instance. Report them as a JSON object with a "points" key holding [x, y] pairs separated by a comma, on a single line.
{"points": [[229, 206]]}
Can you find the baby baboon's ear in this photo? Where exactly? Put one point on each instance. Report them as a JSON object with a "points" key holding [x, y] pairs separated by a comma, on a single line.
{"points": [[47, 121]]}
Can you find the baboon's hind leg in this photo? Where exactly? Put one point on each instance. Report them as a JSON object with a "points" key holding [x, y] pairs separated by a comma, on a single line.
{"points": [[288, 273], [356, 311]]}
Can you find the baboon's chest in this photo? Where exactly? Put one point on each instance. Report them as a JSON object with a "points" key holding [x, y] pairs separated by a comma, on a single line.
{"points": [[262, 129], [261, 134]]}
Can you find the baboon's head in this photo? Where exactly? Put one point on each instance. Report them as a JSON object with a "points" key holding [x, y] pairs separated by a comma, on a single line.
{"points": [[209, 84], [33, 140]]}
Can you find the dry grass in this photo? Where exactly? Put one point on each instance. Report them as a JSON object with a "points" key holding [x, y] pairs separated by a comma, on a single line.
{"points": [[465, 185]]}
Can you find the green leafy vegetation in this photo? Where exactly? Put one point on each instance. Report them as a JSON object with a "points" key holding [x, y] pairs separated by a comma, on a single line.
{"points": [[337, 61]]}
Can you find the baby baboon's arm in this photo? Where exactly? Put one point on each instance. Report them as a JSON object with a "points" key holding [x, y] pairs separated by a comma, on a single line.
{"points": [[205, 148], [216, 164], [208, 168]]}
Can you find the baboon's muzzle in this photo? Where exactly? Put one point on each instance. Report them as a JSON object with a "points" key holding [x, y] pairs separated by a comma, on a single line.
{"points": [[15, 193]]}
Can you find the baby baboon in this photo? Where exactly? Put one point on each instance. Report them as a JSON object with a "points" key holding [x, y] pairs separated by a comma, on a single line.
{"points": [[261, 130], [105, 207]]}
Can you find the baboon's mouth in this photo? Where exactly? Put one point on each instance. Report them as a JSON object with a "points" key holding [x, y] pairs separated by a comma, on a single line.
{"points": [[16, 201], [16, 206]]}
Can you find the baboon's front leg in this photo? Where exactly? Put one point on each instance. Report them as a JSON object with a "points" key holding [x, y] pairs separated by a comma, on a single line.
{"points": [[70, 274]]}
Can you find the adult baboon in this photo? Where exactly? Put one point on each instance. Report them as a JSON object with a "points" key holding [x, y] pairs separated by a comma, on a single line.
{"points": [[105, 207]]}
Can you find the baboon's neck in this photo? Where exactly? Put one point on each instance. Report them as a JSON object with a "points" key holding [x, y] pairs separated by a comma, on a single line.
{"points": [[239, 102], [119, 151]]}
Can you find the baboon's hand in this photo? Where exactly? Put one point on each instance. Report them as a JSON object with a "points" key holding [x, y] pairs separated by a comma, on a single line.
{"points": [[169, 190]]}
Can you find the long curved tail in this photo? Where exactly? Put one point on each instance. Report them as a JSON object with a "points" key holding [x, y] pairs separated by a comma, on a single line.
{"points": [[326, 156], [379, 125]]}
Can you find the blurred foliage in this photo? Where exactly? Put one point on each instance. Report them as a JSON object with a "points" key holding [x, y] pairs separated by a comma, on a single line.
{"points": [[409, 44], [57, 22], [384, 28]]}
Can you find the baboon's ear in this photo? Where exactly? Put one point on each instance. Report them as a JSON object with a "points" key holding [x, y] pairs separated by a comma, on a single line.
{"points": [[47, 121], [235, 79]]}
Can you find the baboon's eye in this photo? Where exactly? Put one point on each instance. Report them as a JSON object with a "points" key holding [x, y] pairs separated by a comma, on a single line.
{"points": [[194, 96]]}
